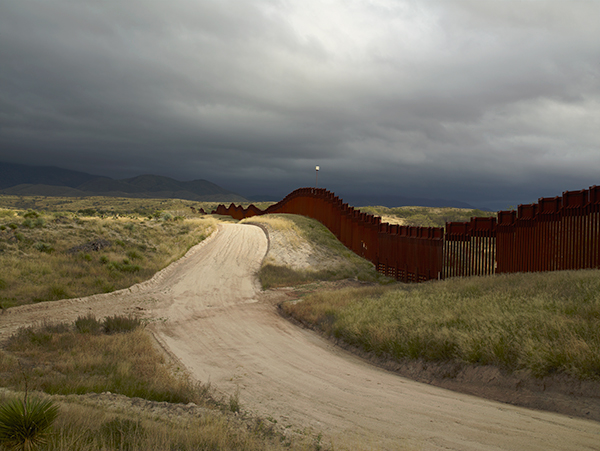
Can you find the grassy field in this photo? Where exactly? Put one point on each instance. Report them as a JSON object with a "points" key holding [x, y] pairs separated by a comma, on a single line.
{"points": [[542, 324], [425, 216], [46, 256], [109, 206]]}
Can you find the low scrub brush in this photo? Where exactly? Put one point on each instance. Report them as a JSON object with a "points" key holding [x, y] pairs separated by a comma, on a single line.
{"points": [[118, 324]]}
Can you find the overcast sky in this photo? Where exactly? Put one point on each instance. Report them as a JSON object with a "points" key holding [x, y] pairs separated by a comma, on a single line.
{"points": [[491, 102]]}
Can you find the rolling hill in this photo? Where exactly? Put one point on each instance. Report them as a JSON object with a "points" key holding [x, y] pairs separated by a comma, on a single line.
{"points": [[24, 180]]}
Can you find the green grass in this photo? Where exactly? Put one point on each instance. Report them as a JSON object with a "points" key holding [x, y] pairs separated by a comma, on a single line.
{"points": [[69, 255], [543, 324]]}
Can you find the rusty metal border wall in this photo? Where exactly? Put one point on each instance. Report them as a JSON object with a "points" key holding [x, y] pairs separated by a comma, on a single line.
{"points": [[554, 234], [411, 254]]}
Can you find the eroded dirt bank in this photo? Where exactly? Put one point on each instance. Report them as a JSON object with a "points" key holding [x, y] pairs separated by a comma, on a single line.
{"points": [[207, 310]]}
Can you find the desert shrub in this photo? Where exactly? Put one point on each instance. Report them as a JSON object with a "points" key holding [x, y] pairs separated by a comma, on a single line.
{"points": [[134, 255], [13, 226], [3, 284], [43, 247], [25, 425], [104, 259], [119, 324], [31, 214], [28, 223], [88, 325], [87, 212], [274, 275], [56, 292], [125, 266]]}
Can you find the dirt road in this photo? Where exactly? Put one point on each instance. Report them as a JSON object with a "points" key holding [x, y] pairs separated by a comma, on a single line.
{"points": [[211, 315]]}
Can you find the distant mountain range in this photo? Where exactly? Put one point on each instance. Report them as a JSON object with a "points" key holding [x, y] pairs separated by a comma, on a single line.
{"points": [[24, 180]]}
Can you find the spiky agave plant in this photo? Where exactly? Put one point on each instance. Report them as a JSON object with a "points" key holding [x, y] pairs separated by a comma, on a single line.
{"points": [[25, 424]]}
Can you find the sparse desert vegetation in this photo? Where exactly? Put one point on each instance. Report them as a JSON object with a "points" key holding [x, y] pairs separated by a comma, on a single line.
{"points": [[116, 355], [47, 256]]}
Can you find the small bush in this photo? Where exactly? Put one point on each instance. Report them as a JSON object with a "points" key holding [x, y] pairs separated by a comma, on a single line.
{"points": [[126, 266], [134, 255], [88, 325], [119, 324], [56, 292], [3, 284], [13, 226], [25, 425], [43, 247], [87, 212], [31, 214]]}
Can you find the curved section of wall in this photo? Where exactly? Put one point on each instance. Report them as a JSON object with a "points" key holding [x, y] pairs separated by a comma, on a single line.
{"points": [[554, 234], [411, 254]]}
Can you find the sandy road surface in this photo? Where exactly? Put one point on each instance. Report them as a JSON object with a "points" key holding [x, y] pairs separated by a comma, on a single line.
{"points": [[214, 319]]}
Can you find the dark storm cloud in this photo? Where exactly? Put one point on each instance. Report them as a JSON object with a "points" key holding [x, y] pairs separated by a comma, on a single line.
{"points": [[485, 101]]}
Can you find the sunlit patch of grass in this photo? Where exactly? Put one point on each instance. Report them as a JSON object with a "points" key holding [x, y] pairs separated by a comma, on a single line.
{"points": [[324, 256], [43, 263], [544, 324]]}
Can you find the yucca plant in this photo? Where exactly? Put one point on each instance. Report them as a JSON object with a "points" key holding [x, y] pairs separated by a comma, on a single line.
{"points": [[25, 424]]}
